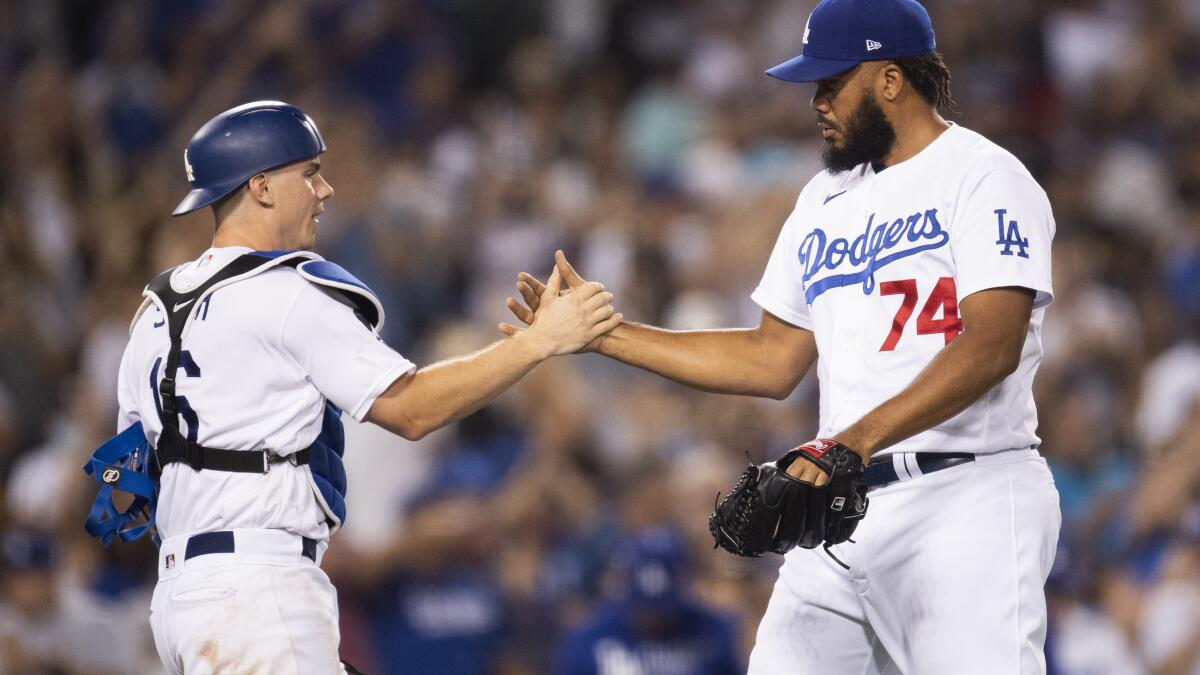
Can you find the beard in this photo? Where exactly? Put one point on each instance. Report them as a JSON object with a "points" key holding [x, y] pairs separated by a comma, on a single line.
{"points": [[868, 137]]}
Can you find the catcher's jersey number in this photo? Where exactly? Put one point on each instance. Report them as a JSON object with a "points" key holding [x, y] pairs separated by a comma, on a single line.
{"points": [[944, 297], [186, 411]]}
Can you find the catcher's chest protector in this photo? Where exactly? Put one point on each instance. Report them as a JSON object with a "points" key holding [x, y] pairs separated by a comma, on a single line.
{"points": [[324, 457]]}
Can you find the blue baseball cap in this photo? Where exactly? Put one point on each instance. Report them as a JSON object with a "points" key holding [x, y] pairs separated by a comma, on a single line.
{"points": [[657, 561], [27, 549], [841, 34]]}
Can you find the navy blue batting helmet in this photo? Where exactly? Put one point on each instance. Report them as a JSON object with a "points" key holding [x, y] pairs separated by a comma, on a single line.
{"points": [[241, 142]]}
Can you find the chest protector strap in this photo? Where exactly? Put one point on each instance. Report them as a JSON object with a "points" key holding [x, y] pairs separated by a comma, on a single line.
{"points": [[178, 308]]}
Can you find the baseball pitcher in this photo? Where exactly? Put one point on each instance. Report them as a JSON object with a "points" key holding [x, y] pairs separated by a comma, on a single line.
{"points": [[920, 526]]}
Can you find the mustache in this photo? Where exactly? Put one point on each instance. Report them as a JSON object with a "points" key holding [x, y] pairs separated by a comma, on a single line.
{"points": [[826, 122]]}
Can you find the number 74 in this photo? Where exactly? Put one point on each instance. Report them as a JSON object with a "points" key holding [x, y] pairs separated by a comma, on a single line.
{"points": [[944, 296]]}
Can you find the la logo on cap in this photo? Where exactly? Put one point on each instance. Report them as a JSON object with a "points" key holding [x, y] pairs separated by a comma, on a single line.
{"points": [[806, 29]]}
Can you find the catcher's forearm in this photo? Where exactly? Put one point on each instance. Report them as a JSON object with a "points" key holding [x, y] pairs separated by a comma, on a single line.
{"points": [[450, 390], [725, 361]]}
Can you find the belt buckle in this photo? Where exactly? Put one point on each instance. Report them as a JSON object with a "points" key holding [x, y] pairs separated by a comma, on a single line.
{"points": [[269, 459]]}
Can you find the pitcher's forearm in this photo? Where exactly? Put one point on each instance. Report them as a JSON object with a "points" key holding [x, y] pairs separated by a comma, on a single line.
{"points": [[995, 323], [956, 378], [725, 361]]}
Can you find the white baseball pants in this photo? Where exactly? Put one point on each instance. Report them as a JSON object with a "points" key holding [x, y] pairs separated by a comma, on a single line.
{"points": [[264, 608], [946, 577]]}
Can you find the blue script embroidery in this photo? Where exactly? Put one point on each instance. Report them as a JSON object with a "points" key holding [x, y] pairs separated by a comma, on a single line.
{"points": [[919, 232]]}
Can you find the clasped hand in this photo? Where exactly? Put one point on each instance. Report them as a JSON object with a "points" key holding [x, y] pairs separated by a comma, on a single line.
{"points": [[561, 320]]}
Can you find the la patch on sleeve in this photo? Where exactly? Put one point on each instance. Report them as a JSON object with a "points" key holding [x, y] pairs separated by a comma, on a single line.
{"points": [[1009, 236]]}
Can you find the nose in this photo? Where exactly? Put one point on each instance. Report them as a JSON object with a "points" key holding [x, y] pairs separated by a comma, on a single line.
{"points": [[325, 190], [820, 100]]}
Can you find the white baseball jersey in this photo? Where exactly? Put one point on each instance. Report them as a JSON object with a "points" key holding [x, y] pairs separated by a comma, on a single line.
{"points": [[875, 265], [260, 358]]}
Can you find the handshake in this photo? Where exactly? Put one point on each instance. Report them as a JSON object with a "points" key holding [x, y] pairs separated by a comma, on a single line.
{"points": [[562, 320]]}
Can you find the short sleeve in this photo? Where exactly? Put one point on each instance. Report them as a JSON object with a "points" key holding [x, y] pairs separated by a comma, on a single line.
{"points": [[345, 360], [780, 291], [127, 413], [1001, 236]]}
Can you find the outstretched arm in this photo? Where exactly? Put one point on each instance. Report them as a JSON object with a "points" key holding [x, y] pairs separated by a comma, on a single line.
{"points": [[767, 361], [436, 395]]}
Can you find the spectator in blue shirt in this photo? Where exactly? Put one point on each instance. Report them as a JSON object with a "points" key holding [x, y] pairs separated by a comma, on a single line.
{"points": [[653, 627]]}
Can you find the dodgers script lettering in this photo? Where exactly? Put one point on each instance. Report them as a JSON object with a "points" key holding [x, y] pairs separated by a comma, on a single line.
{"points": [[878, 245]]}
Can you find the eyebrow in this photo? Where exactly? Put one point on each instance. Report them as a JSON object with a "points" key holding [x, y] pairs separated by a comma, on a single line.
{"points": [[835, 82], [844, 75]]}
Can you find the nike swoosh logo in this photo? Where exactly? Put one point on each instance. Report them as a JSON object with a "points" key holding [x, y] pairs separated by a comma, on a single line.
{"points": [[181, 305], [830, 198]]}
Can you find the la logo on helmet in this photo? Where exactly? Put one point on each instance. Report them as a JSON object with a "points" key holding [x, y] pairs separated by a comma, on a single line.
{"points": [[188, 167]]}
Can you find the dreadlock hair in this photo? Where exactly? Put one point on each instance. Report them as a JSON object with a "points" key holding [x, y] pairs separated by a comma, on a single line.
{"points": [[931, 78]]}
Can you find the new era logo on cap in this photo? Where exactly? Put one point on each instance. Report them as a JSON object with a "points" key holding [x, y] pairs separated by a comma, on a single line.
{"points": [[873, 45]]}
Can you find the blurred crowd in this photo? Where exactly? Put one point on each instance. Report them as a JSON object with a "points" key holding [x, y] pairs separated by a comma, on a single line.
{"points": [[562, 530]]}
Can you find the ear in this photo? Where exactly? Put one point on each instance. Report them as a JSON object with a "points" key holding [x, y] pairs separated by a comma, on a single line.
{"points": [[891, 81], [259, 187]]}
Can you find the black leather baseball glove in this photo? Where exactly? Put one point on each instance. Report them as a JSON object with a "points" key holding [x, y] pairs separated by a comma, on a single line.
{"points": [[768, 510]]}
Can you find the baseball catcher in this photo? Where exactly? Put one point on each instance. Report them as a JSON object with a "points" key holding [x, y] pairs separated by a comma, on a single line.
{"points": [[238, 465], [769, 509]]}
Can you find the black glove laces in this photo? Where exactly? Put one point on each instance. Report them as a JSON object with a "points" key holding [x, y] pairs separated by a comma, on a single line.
{"points": [[742, 507], [835, 558]]}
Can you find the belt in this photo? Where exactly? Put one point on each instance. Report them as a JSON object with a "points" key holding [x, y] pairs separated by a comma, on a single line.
{"points": [[173, 447], [222, 542], [882, 471]]}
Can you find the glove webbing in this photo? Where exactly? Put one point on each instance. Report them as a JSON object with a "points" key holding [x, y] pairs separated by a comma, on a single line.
{"points": [[743, 505]]}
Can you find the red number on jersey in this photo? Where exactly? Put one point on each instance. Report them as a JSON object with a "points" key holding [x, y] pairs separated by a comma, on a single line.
{"points": [[944, 297], [909, 288]]}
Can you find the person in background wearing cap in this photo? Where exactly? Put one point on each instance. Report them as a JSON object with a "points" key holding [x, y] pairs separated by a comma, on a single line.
{"points": [[238, 367], [432, 595], [917, 266], [29, 605], [654, 627], [46, 626]]}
